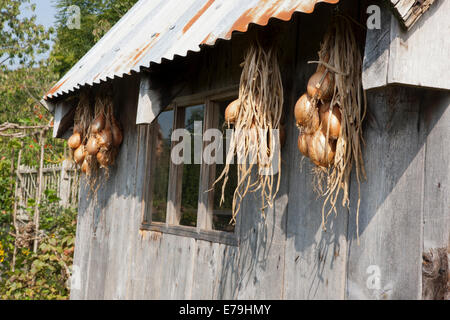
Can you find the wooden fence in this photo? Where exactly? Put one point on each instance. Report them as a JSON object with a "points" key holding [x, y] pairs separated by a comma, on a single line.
{"points": [[63, 178]]}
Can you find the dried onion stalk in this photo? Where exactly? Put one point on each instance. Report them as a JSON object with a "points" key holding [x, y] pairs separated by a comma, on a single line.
{"points": [[260, 110], [341, 55]]}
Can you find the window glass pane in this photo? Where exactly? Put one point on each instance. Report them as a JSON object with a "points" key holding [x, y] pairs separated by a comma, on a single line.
{"points": [[191, 172], [160, 168], [222, 214]]}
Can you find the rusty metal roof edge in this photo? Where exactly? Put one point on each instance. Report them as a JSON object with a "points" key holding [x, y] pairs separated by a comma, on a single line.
{"points": [[147, 64]]}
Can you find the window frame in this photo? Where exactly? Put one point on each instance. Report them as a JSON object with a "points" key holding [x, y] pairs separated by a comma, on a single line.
{"points": [[203, 229]]}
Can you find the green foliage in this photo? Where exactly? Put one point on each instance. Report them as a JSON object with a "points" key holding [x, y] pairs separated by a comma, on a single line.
{"points": [[20, 91], [97, 17], [41, 275], [44, 275], [21, 39], [6, 192]]}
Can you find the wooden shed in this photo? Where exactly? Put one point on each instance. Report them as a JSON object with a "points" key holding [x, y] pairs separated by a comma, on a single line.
{"points": [[154, 232]]}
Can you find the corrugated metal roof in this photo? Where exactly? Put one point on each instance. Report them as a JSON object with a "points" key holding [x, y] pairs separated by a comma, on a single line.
{"points": [[160, 29]]}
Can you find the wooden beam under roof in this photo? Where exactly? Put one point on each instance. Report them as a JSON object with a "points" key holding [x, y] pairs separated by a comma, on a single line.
{"points": [[410, 11]]}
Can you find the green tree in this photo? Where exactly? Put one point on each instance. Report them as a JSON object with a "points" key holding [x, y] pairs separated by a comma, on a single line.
{"points": [[41, 275], [21, 39], [97, 17]]}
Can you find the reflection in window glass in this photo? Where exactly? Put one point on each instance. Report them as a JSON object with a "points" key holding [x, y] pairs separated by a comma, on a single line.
{"points": [[222, 214], [191, 172], [160, 173]]}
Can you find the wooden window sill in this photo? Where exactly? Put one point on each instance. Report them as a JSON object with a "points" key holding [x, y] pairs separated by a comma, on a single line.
{"points": [[222, 237]]}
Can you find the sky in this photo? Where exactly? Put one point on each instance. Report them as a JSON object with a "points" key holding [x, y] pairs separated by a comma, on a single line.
{"points": [[45, 12], [45, 15]]}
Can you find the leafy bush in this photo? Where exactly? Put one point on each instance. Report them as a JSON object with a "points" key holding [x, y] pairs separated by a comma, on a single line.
{"points": [[45, 274]]}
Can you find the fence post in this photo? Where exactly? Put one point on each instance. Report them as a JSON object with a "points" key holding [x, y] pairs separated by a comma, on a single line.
{"points": [[36, 218], [64, 184]]}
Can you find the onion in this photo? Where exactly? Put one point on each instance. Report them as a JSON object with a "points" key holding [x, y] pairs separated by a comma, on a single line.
{"points": [[98, 124], [324, 92], [321, 151], [104, 159], [75, 141], [314, 124], [79, 155], [85, 167], [92, 146], [105, 138], [232, 111], [117, 136], [303, 143], [335, 121], [304, 111]]}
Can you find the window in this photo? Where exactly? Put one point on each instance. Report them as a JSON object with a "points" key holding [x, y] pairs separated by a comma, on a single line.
{"points": [[180, 198], [222, 213], [161, 133], [190, 182]]}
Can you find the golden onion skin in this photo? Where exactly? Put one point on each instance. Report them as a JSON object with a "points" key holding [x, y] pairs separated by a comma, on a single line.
{"points": [[321, 151], [105, 138], [98, 124], [75, 141], [79, 155], [304, 111], [303, 143], [323, 92], [335, 121], [92, 147], [232, 111]]}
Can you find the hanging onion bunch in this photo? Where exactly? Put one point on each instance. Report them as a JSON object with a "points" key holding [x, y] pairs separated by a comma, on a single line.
{"points": [[80, 130], [105, 134], [255, 116], [336, 96], [97, 136]]}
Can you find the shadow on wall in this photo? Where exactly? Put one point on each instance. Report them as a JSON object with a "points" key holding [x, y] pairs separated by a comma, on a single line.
{"points": [[383, 36], [396, 129], [289, 249]]}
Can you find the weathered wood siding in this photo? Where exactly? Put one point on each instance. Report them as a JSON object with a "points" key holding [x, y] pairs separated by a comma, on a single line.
{"points": [[405, 202], [417, 57]]}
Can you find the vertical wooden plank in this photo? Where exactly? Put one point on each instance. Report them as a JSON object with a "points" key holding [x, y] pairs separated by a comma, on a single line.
{"points": [[436, 203], [228, 275], [98, 244], [122, 210], [64, 184], [82, 248], [314, 260], [134, 192], [261, 252], [154, 265], [387, 263], [177, 276], [208, 257], [135, 237], [139, 247]]}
